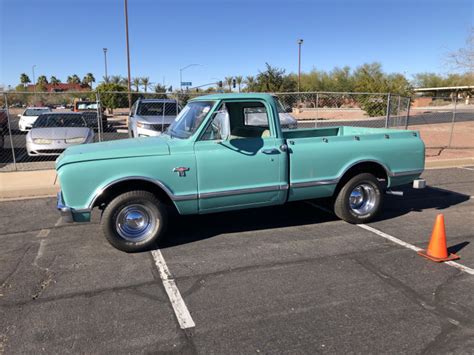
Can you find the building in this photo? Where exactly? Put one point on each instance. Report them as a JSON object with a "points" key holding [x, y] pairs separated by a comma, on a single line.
{"points": [[424, 96], [61, 87]]}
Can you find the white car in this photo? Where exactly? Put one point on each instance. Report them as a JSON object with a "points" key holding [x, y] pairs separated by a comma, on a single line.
{"points": [[53, 132], [151, 117], [29, 116]]}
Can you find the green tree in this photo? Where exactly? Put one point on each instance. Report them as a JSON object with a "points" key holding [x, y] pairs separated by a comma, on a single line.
{"points": [[159, 88], [74, 79], [42, 79], [239, 79], [250, 83], [88, 80], [273, 79], [228, 81], [54, 81], [146, 83], [111, 96], [136, 83], [24, 79]]}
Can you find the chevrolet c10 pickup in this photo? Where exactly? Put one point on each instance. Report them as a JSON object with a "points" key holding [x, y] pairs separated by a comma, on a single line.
{"points": [[214, 158]]}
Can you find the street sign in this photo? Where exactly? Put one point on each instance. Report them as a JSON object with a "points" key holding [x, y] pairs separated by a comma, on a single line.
{"points": [[186, 83]]}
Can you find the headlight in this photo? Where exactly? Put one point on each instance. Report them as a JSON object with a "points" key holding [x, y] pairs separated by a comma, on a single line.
{"points": [[144, 125], [42, 141], [77, 140]]}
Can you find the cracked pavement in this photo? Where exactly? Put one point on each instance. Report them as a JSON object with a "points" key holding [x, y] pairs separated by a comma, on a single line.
{"points": [[288, 279]]}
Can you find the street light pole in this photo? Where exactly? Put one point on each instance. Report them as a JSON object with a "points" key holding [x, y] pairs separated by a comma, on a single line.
{"points": [[300, 42], [105, 62], [34, 80], [128, 57], [181, 75]]}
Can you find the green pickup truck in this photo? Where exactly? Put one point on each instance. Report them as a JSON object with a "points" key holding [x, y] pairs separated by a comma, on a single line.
{"points": [[226, 152]]}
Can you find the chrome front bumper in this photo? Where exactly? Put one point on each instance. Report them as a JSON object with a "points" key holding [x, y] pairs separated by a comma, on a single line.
{"points": [[66, 212]]}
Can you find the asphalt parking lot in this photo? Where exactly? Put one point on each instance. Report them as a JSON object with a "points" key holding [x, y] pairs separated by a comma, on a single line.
{"points": [[289, 279]]}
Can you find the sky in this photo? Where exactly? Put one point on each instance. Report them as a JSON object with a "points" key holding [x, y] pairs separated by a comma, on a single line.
{"points": [[226, 37]]}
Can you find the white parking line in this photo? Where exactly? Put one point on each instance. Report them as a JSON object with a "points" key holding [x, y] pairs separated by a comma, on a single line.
{"points": [[181, 311], [43, 233], [465, 168], [58, 222], [399, 241]]}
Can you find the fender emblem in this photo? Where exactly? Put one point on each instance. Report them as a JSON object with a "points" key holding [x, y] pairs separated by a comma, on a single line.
{"points": [[181, 170]]}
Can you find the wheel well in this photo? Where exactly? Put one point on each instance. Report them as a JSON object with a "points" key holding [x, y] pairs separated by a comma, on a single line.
{"points": [[373, 168], [130, 185]]}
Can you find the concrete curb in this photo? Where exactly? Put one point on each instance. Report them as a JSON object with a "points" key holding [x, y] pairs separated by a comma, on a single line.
{"points": [[448, 163], [21, 184]]}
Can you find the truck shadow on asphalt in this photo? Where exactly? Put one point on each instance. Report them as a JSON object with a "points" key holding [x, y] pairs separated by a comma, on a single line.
{"points": [[189, 229]]}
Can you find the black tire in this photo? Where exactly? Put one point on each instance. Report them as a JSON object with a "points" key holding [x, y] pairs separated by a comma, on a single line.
{"points": [[126, 212], [370, 188]]}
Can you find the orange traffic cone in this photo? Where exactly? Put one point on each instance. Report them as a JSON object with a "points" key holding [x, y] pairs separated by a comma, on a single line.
{"points": [[437, 249]]}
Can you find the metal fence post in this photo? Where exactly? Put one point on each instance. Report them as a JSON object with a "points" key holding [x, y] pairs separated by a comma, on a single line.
{"points": [[99, 116], [387, 118], [408, 112], [10, 131], [453, 121], [398, 111], [317, 110]]}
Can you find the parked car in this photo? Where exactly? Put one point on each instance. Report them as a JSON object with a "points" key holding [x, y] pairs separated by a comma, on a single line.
{"points": [[151, 117], [53, 132], [3, 127], [92, 113], [29, 116], [211, 160]]}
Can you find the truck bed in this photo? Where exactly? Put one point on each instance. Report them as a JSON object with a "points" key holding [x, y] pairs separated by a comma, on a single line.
{"points": [[335, 131]]}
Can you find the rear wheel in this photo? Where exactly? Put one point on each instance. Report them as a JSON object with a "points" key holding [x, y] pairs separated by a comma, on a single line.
{"points": [[360, 199], [134, 221]]}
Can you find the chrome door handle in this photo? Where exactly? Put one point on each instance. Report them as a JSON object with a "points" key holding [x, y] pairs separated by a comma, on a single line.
{"points": [[270, 151]]}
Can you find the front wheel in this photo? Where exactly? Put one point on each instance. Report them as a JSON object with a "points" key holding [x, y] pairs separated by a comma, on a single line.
{"points": [[360, 199], [134, 221]]}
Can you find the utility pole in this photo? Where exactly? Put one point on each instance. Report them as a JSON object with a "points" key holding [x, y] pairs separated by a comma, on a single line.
{"points": [[34, 80], [105, 62], [300, 42], [128, 58]]}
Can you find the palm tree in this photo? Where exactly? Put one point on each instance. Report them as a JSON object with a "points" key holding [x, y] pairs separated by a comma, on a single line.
{"points": [[42, 79], [24, 79], [88, 79], [54, 81], [228, 81], [74, 79], [146, 83], [136, 83], [106, 79], [238, 80], [250, 82], [116, 79]]}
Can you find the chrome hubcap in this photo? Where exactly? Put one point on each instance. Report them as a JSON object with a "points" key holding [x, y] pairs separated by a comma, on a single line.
{"points": [[362, 199], [135, 223]]}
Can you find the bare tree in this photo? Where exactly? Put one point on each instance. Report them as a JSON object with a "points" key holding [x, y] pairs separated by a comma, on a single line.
{"points": [[463, 58]]}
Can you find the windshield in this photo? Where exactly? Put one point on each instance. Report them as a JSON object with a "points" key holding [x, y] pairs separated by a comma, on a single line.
{"points": [[189, 119], [66, 120], [157, 109], [35, 111]]}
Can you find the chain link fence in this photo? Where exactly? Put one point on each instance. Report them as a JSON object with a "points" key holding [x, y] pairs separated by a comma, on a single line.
{"points": [[442, 122]]}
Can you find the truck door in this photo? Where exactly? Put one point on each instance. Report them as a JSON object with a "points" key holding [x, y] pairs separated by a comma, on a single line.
{"points": [[239, 162]]}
